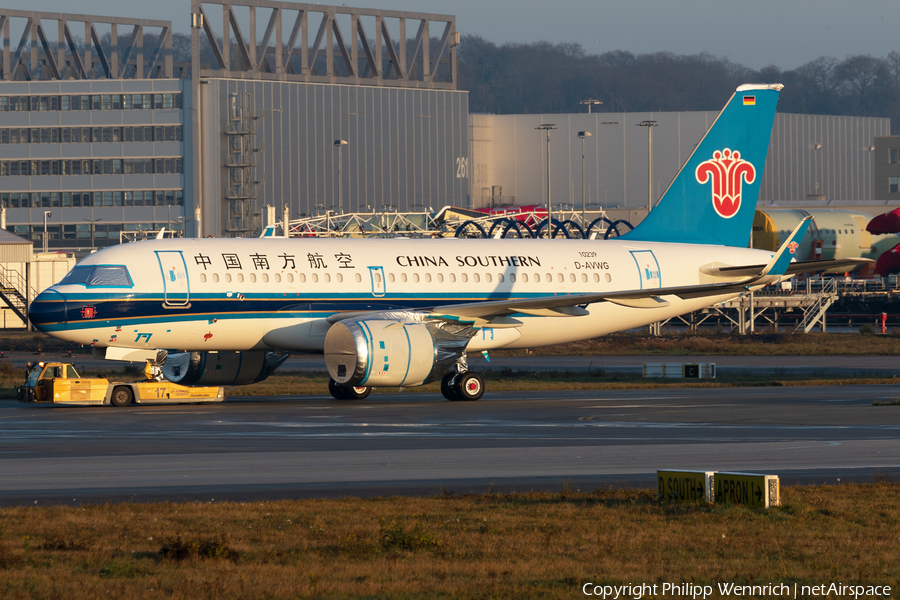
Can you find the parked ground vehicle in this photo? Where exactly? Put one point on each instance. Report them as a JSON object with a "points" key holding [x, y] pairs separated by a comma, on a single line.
{"points": [[59, 383]]}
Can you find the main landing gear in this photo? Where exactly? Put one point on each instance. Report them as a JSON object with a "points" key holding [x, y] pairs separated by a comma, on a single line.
{"points": [[466, 386], [347, 392]]}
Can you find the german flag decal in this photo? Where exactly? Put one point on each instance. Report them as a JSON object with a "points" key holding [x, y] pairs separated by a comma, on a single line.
{"points": [[749, 100]]}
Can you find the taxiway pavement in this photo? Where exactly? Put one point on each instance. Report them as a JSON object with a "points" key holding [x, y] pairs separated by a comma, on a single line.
{"points": [[266, 448]]}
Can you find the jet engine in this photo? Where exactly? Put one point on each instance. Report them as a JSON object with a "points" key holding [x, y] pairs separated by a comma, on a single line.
{"points": [[221, 368], [404, 351]]}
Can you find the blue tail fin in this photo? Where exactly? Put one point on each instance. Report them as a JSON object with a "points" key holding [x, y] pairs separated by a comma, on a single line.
{"points": [[713, 197]]}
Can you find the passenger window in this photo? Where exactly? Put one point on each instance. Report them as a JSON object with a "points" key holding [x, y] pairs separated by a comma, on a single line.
{"points": [[391, 277], [608, 278], [428, 277], [252, 277], [277, 277], [500, 278], [571, 277], [71, 373], [290, 277], [215, 278], [227, 277], [440, 278], [315, 278], [584, 277], [203, 277], [487, 277], [475, 277], [560, 277], [452, 278], [512, 277], [415, 278], [327, 278], [524, 277], [265, 278], [537, 277], [302, 278], [465, 278], [403, 277], [240, 277], [358, 278], [596, 278], [340, 278]]}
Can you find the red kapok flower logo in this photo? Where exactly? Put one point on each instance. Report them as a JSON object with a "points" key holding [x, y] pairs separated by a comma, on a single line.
{"points": [[727, 171]]}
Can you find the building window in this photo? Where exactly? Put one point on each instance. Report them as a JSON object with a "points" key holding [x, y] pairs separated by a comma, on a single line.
{"points": [[894, 155], [894, 185], [89, 102]]}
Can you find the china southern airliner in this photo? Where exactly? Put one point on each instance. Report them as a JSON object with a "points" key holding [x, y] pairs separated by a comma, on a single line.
{"points": [[405, 312]]}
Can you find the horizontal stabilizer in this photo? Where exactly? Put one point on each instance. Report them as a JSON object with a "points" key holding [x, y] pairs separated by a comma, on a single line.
{"points": [[832, 265]]}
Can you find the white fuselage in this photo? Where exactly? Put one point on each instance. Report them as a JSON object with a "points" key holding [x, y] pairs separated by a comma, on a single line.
{"points": [[276, 293]]}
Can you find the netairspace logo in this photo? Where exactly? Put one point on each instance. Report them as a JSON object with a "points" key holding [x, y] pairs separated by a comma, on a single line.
{"points": [[695, 592]]}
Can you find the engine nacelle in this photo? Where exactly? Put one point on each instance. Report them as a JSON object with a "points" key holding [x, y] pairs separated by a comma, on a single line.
{"points": [[386, 352], [221, 368]]}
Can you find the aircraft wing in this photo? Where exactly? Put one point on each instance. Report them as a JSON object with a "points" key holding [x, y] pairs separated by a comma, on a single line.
{"points": [[572, 305]]}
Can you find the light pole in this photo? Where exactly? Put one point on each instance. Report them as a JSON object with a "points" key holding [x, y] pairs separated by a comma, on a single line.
{"points": [[547, 127], [649, 125], [47, 215], [583, 135], [337, 146], [590, 102]]}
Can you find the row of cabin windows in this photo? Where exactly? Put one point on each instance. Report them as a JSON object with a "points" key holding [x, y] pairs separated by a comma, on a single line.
{"points": [[404, 278], [78, 135], [108, 166], [89, 102]]}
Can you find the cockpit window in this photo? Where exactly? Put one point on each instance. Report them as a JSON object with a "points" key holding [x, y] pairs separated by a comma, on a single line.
{"points": [[99, 276], [77, 275]]}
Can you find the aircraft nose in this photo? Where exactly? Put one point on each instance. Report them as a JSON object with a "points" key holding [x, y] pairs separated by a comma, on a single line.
{"points": [[48, 311]]}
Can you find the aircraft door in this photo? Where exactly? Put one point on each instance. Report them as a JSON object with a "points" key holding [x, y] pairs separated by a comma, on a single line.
{"points": [[176, 287], [376, 275], [648, 269]]}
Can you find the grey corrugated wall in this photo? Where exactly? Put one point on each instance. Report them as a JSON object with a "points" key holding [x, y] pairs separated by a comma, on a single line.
{"points": [[404, 146]]}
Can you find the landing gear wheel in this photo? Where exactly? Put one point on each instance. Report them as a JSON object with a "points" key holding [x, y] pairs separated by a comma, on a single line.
{"points": [[469, 386], [358, 393], [338, 392], [121, 396], [447, 388], [345, 392]]}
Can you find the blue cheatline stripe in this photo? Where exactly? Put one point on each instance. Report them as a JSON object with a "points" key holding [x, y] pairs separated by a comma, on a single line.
{"points": [[160, 319], [295, 299], [370, 346], [408, 354]]}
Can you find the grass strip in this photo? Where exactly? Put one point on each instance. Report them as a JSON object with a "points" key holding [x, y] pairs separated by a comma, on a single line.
{"points": [[525, 545]]}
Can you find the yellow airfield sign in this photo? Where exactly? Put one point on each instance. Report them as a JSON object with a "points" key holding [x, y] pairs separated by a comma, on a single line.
{"points": [[684, 486], [747, 489]]}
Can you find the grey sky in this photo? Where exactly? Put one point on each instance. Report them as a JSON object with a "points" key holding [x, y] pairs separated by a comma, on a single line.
{"points": [[786, 33]]}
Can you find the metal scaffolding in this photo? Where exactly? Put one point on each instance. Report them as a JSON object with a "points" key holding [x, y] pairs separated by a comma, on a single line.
{"points": [[36, 57]]}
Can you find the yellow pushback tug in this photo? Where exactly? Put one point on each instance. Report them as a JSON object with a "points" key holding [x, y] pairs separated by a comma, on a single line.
{"points": [[59, 383]]}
